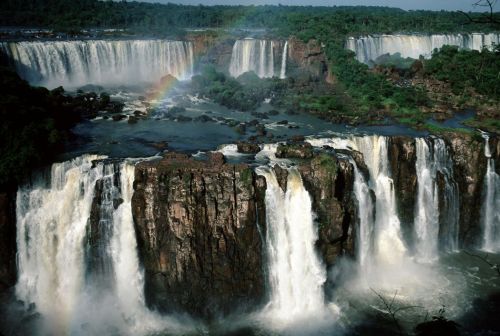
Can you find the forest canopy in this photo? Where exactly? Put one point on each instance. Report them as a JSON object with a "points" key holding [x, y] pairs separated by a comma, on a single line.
{"points": [[143, 17]]}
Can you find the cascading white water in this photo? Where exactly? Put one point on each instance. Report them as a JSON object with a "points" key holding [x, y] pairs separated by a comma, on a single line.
{"points": [[427, 204], [491, 204], [369, 48], [252, 55], [365, 216], [388, 246], [296, 274], [103, 62], [283, 61], [55, 270]]}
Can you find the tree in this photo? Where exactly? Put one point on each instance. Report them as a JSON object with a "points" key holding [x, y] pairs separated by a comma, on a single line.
{"points": [[488, 17]]}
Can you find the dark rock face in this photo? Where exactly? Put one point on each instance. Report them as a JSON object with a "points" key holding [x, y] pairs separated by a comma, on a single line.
{"points": [[248, 148], [197, 227], [329, 181], [295, 151], [7, 240], [307, 57], [469, 168], [402, 158]]}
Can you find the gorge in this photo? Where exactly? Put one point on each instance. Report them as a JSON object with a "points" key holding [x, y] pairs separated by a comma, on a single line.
{"points": [[228, 231], [233, 180]]}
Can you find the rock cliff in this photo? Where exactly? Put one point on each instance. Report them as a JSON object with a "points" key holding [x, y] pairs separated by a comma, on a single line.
{"points": [[199, 227], [7, 240]]}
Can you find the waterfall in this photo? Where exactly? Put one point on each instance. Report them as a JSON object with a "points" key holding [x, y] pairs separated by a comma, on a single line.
{"points": [[490, 214], [77, 255], [252, 55], [103, 62], [388, 245], [365, 217], [283, 61], [450, 208], [436, 226], [296, 274], [369, 48], [427, 207]]}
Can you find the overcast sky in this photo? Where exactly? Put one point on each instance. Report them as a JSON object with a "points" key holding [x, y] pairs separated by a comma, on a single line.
{"points": [[465, 5]]}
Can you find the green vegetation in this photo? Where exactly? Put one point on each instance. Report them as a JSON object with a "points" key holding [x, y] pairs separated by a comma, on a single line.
{"points": [[35, 124], [359, 95], [245, 93], [304, 21], [464, 69]]}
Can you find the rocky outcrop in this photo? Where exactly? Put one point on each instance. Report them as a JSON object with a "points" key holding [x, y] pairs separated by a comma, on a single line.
{"points": [[307, 56], [295, 151], [199, 227], [469, 168], [402, 157], [329, 180], [248, 148], [7, 240]]}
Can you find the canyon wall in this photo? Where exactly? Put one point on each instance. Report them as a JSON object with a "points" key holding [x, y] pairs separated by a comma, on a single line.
{"points": [[201, 226]]}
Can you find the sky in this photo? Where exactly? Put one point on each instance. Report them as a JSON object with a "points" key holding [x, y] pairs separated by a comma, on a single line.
{"points": [[464, 5]]}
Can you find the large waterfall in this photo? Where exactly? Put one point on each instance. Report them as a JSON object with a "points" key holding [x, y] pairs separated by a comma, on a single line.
{"points": [[254, 55], [77, 250], [491, 204], [433, 222], [437, 202], [389, 247], [369, 48], [296, 274], [366, 217], [104, 62]]}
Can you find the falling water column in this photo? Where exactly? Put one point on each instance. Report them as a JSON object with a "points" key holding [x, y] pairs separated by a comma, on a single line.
{"points": [[491, 204], [296, 274]]}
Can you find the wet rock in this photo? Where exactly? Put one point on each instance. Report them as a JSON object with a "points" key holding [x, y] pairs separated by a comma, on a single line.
{"points": [[402, 157], [118, 117], [162, 145], [282, 122], [329, 181], [241, 128], [248, 148], [273, 112], [132, 120], [7, 240], [470, 166], [197, 234], [204, 118], [295, 151], [182, 118]]}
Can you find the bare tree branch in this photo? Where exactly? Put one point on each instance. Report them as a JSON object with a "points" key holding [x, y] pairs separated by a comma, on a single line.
{"points": [[485, 260], [391, 310], [485, 18]]}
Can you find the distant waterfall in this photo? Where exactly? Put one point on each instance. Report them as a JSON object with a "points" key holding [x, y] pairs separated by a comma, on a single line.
{"points": [[296, 275], [283, 61], [369, 48], [491, 204], [388, 244], [252, 55], [103, 62], [76, 293]]}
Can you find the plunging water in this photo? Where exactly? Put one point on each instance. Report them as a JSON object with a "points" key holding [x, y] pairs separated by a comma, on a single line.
{"points": [[78, 261], [491, 203], [296, 274], [252, 55]]}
